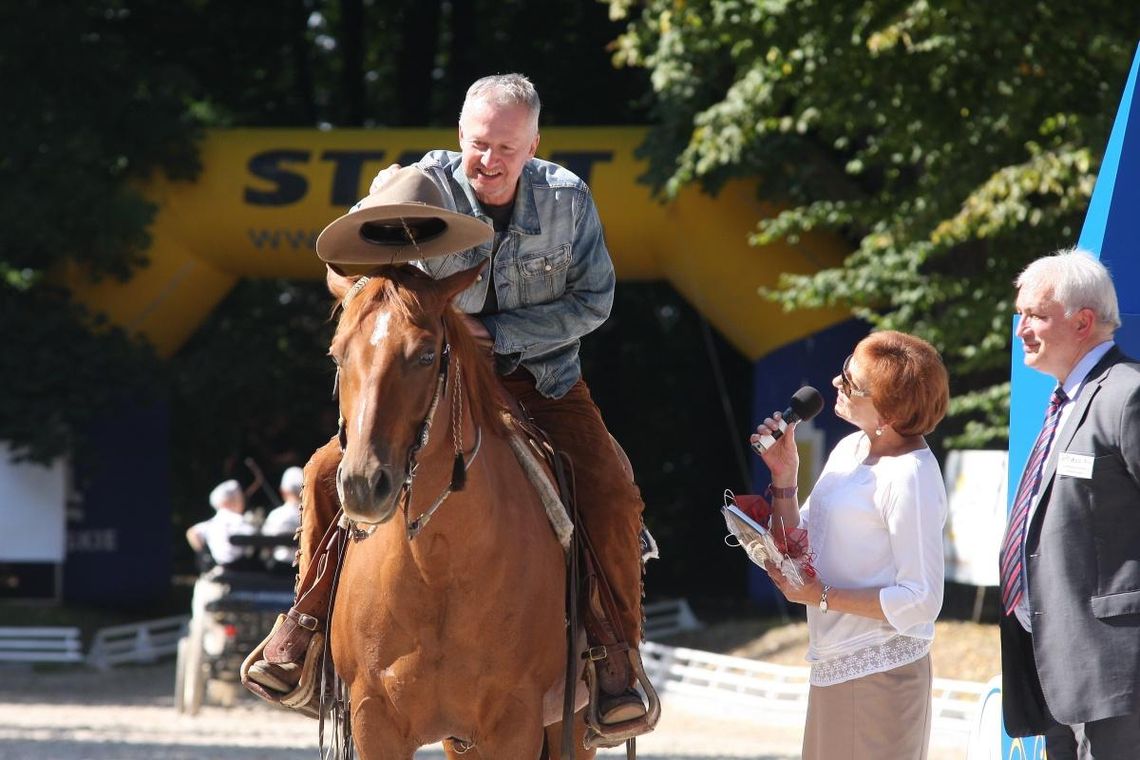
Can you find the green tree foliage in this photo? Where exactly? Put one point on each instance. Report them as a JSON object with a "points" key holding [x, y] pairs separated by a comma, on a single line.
{"points": [[87, 114], [949, 143]]}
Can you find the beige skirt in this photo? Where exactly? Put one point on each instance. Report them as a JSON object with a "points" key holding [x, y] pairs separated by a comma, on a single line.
{"points": [[884, 715]]}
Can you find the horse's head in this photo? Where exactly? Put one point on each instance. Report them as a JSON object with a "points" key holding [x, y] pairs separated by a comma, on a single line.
{"points": [[389, 350]]}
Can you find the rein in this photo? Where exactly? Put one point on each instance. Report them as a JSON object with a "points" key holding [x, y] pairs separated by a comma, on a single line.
{"points": [[461, 463]]}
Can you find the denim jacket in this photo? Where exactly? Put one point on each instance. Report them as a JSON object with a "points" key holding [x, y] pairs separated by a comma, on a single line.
{"points": [[553, 275]]}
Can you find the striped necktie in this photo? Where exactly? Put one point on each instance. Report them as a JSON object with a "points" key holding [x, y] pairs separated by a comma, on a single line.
{"points": [[1012, 585]]}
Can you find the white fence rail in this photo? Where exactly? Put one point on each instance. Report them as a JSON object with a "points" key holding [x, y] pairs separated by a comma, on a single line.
{"points": [[732, 686], [739, 687], [957, 702], [51, 644], [136, 642], [669, 617]]}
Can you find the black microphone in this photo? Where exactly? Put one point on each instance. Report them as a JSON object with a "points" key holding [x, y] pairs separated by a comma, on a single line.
{"points": [[805, 404]]}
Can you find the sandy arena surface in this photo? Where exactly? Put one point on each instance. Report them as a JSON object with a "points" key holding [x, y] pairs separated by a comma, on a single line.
{"points": [[128, 714]]}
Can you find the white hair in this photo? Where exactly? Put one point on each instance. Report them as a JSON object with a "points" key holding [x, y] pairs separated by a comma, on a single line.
{"points": [[223, 492], [504, 90], [1077, 280], [292, 479]]}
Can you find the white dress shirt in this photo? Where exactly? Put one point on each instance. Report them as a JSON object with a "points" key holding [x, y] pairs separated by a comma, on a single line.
{"points": [[283, 521], [875, 526], [216, 533]]}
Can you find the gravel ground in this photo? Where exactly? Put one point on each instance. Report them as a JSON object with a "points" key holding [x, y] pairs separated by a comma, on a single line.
{"points": [[128, 714]]}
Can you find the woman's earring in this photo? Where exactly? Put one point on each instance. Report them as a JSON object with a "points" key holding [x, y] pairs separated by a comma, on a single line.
{"points": [[878, 431]]}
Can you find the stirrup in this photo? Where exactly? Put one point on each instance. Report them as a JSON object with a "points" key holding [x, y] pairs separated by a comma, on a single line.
{"points": [[618, 708], [599, 734], [305, 697]]}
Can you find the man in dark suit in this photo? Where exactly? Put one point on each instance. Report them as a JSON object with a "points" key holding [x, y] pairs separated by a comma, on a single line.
{"points": [[1070, 562]]}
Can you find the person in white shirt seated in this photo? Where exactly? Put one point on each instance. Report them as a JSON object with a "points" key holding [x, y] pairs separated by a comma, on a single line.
{"points": [[874, 522], [286, 519], [228, 501]]}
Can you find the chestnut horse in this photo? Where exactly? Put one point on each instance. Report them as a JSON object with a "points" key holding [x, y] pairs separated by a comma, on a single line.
{"points": [[452, 630]]}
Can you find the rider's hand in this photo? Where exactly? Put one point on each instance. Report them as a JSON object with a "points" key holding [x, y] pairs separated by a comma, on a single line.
{"points": [[382, 178]]}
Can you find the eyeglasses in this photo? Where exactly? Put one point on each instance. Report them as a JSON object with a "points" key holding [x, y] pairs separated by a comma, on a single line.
{"points": [[845, 383]]}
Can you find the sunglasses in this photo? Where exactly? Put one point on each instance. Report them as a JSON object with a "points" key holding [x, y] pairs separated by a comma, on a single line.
{"points": [[845, 383]]}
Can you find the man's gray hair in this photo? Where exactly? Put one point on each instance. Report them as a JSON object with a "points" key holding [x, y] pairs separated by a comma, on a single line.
{"points": [[1077, 280], [505, 90]]}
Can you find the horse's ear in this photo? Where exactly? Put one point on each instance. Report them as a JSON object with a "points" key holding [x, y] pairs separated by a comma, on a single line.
{"points": [[338, 282], [454, 284]]}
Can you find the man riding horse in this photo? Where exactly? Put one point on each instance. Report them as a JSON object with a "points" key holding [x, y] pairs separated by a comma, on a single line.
{"points": [[548, 280]]}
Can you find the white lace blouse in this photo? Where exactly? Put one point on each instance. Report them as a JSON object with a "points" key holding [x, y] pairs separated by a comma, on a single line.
{"points": [[875, 526]]}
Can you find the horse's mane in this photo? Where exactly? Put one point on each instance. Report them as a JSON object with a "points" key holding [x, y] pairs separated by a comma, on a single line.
{"points": [[407, 291]]}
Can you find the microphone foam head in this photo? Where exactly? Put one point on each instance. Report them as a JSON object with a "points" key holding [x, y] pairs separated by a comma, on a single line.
{"points": [[806, 402]]}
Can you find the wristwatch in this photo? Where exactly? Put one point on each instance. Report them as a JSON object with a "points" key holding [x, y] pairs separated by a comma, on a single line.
{"points": [[823, 598]]}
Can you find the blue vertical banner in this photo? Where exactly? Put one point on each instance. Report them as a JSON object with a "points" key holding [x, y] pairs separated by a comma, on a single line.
{"points": [[1112, 232], [119, 533]]}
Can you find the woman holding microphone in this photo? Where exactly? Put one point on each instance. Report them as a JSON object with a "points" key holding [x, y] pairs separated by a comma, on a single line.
{"points": [[874, 521]]}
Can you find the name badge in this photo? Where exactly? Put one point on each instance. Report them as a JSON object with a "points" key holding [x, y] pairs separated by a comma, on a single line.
{"points": [[1075, 465]]}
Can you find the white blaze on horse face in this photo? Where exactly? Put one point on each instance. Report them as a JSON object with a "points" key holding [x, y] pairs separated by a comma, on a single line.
{"points": [[380, 332], [360, 417]]}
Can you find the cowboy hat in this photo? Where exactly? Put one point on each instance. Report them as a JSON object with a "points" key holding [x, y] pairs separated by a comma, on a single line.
{"points": [[403, 221]]}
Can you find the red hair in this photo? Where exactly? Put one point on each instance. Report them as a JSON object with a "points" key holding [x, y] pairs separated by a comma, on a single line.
{"points": [[907, 380]]}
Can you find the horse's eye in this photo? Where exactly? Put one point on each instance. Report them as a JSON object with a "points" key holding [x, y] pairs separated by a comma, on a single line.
{"points": [[427, 358]]}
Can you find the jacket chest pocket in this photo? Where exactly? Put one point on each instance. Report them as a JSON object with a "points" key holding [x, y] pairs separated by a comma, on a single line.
{"points": [[542, 275]]}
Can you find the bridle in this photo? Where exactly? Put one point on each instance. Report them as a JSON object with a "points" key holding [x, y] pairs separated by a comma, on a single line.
{"points": [[461, 463]]}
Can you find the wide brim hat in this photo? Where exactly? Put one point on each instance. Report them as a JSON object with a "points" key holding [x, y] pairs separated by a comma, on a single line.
{"points": [[403, 221]]}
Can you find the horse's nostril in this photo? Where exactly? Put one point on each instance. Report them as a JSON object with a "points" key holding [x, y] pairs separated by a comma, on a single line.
{"points": [[383, 486]]}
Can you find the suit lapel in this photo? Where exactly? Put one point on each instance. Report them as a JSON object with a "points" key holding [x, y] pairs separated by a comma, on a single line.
{"points": [[1093, 382]]}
